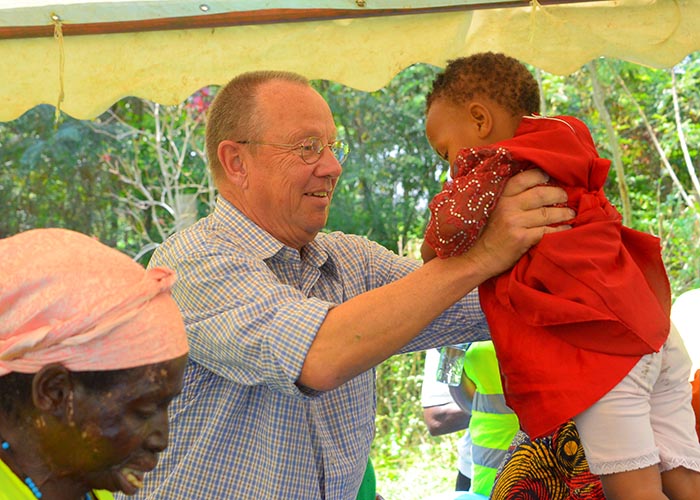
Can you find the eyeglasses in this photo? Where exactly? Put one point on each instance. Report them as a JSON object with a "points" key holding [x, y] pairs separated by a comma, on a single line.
{"points": [[310, 149]]}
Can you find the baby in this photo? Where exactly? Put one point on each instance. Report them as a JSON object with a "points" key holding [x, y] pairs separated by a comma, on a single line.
{"points": [[581, 323]]}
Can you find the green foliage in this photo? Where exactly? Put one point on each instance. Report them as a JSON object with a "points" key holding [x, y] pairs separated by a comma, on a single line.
{"points": [[398, 388], [391, 172], [409, 463], [160, 162], [51, 175]]}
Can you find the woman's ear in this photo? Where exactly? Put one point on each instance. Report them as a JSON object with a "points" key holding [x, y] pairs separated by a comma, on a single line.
{"points": [[232, 163], [52, 389], [482, 118]]}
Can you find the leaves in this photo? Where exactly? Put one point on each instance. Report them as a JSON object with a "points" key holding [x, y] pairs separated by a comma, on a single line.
{"points": [[391, 172]]}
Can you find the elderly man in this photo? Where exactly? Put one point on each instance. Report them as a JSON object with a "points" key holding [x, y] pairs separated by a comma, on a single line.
{"points": [[286, 324]]}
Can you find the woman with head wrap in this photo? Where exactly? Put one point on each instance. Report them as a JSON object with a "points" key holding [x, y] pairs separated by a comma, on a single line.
{"points": [[92, 350]]}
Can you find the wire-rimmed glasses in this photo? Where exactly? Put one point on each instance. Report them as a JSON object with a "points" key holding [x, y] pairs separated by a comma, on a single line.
{"points": [[310, 149]]}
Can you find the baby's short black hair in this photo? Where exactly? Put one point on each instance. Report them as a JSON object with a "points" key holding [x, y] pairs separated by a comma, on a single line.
{"points": [[496, 76]]}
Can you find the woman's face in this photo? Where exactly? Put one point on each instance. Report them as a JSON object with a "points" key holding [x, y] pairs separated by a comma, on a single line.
{"points": [[109, 439]]}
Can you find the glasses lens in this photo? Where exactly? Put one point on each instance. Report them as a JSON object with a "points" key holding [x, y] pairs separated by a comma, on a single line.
{"points": [[311, 149], [340, 150]]}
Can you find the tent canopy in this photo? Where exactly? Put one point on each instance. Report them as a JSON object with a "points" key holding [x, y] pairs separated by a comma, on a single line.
{"points": [[86, 55]]}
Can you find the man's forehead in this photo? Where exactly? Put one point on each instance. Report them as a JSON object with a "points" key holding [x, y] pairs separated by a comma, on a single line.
{"points": [[295, 108], [280, 90]]}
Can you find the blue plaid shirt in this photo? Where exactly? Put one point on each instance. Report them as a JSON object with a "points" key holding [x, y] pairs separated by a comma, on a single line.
{"points": [[242, 429]]}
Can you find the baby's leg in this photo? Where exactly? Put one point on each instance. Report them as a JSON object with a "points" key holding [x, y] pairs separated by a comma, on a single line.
{"points": [[681, 484], [639, 484], [673, 421], [643, 426], [617, 436]]}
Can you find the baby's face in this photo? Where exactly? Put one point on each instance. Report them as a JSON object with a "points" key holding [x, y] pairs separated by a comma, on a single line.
{"points": [[450, 130]]}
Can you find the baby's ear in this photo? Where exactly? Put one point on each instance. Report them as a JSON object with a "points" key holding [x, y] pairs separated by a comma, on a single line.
{"points": [[476, 111], [482, 118]]}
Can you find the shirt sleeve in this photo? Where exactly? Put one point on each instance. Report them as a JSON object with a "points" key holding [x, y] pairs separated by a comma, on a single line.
{"points": [[247, 324], [462, 323], [243, 322], [373, 266]]}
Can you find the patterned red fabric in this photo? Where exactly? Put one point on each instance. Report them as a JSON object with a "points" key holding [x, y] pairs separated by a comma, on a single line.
{"points": [[577, 311], [460, 211]]}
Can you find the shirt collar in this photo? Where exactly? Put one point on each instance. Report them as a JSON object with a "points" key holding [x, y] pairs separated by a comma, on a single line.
{"points": [[265, 246]]}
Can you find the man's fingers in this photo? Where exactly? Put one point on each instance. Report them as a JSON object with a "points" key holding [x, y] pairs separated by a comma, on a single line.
{"points": [[524, 181], [556, 229], [524, 213], [541, 196], [545, 216]]}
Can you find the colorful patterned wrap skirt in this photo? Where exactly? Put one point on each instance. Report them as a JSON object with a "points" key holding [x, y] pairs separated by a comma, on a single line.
{"points": [[553, 467]]}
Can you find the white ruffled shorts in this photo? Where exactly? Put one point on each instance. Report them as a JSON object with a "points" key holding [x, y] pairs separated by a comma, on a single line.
{"points": [[647, 419]]}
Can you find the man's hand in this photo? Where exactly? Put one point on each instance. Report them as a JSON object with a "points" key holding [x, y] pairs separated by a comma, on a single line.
{"points": [[524, 213]]}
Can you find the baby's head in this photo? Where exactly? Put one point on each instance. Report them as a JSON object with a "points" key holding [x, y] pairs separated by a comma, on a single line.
{"points": [[478, 100]]}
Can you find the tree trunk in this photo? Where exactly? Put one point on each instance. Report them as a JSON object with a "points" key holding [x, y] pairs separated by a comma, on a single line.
{"points": [[599, 102]]}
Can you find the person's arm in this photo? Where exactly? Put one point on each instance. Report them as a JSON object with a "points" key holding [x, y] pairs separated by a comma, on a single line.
{"points": [[427, 252], [445, 419], [440, 413], [364, 331], [460, 211]]}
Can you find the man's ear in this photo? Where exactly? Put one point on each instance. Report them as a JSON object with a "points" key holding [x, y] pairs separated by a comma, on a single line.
{"points": [[481, 117], [51, 389], [232, 163]]}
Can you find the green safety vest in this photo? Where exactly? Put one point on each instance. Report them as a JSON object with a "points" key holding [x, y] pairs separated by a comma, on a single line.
{"points": [[493, 425]]}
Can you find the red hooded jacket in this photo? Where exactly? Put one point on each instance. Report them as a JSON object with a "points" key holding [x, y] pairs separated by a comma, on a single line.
{"points": [[581, 307]]}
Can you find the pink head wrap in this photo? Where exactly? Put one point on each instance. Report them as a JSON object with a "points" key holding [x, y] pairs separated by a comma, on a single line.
{"points": [[67, 298]]}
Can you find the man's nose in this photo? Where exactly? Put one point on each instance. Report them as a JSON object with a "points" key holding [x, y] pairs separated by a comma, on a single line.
{"points": [[328, 165]]}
